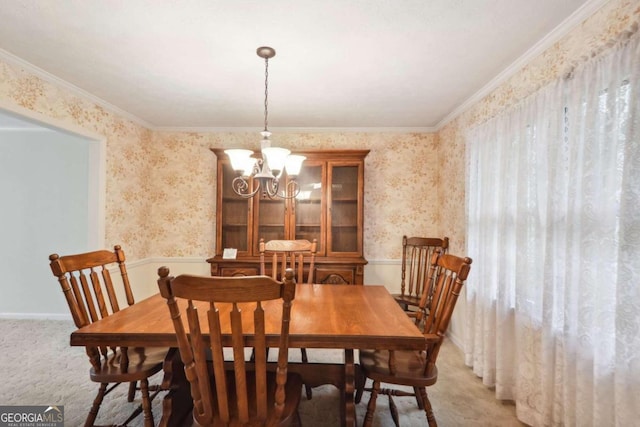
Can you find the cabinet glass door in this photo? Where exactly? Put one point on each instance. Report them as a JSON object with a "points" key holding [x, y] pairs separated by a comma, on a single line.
{"points": [[270, 218], [344, 212], [235, 214], [309, 205]]}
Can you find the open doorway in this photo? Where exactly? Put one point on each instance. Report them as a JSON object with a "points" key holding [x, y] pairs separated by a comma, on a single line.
{"points": [[51, 187]]}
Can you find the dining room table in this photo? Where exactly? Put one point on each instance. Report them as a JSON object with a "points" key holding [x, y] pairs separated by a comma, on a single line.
{"points": [[345, 317]]}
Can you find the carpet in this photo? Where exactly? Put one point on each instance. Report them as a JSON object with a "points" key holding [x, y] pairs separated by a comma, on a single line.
{"points": [[38, 367]]}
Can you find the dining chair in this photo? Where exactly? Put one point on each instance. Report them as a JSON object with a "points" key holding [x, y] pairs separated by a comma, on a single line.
{"points": [[299, 255], [416, 369], [238, 392], [91, 295], [416, 255], [278, 255]]}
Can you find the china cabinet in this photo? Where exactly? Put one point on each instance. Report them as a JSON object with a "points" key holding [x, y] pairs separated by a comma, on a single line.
{"points": [[328, 208]]}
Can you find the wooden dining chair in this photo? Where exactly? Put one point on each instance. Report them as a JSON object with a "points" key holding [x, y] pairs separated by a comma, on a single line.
{"points": [[416, 369], [239, 393], [278, 255], [299, 255], [416, 255], [91, 295]]}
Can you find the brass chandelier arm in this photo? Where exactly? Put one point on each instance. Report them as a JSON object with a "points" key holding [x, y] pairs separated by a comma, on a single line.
{"points": [[293, 189], [241, 187], [270, 188]]}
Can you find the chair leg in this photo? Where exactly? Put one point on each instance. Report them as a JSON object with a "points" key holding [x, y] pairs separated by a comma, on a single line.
{"points": [[361, 381], [305, 359], [146, 403], [394, 411], [132, 391], [297, 422], [307, 389], [95, 407], [419, 398], [371, 406], [431, 419]]}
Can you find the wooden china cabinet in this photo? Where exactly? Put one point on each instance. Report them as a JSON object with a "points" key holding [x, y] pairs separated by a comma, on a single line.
{"points": [[329, 208]]}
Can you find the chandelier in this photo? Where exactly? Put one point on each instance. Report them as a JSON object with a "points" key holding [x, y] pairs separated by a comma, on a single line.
{"points": [[265, 172]]}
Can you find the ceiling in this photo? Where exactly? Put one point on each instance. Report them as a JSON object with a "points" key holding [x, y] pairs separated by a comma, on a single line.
{"points": [[408, 64]]}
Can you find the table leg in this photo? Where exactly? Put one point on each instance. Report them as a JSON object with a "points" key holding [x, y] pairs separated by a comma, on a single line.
{"points": [[348, 407], [177, 403]]}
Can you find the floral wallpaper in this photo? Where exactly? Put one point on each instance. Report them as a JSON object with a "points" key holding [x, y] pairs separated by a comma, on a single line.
{"points": [[127, 185], [161, 185], [398, 167]]}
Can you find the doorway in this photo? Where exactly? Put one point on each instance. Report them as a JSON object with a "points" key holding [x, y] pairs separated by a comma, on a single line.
{"points": [[50, 187]]}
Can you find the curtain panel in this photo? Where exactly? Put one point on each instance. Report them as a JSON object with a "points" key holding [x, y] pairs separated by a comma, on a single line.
{"points": [[553, 226]]}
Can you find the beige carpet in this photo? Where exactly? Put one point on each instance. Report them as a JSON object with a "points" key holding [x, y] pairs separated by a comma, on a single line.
{"points": [[38, 367]]}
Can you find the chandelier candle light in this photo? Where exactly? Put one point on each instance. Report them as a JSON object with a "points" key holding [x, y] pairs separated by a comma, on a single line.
{"points": [[268, 170]]}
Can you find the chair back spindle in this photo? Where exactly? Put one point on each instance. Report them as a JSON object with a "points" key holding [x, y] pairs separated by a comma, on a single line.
{"points": [[416, 255], [85, 280], [449, 274], [446, 276], [86, 300], [299, 255], [239, 394], [90, 292]]}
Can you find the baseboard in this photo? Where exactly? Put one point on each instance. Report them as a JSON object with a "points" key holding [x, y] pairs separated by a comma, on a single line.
{"points": [[456, 340]]}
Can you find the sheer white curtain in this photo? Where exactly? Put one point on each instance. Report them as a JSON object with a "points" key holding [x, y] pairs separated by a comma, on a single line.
{"points": [[553, 199]]}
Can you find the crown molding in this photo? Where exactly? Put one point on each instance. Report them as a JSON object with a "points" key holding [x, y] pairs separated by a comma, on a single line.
{"points": [[75, 90], [584, 12], [275, 130], [46, 76], [565, 27]]}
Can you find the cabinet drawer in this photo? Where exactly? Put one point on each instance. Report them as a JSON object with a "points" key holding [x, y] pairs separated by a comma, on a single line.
{"points": [[332, 276], [238, 271]]}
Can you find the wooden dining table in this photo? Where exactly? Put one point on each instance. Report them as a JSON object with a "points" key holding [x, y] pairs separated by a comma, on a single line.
{"points": [[345, 317]]}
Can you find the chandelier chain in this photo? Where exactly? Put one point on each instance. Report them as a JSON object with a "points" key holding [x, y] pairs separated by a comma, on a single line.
{"points": [[263, 174], [266, 92]]}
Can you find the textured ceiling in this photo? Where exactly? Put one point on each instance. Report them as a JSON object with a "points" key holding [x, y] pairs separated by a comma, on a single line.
{"points": [[339, 64]]}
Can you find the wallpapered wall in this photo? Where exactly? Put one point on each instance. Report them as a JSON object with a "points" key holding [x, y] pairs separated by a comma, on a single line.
{"points": [[126, 147], [400, 188], [160, 185]]}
